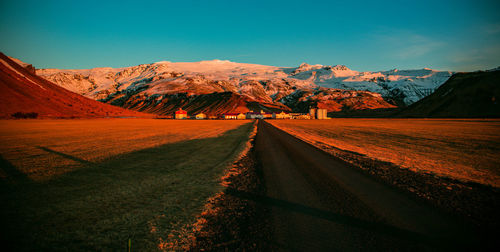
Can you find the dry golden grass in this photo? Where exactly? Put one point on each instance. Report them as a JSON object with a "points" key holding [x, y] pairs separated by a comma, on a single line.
{"points": [[90, 185], [467, 150], [40, 149]]}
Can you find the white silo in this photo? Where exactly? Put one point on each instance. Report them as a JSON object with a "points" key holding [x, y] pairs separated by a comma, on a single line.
{"points": [[312, 113], [321, 114]]}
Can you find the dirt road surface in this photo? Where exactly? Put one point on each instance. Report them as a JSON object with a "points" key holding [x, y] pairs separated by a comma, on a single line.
{"points": [[319, 203]]}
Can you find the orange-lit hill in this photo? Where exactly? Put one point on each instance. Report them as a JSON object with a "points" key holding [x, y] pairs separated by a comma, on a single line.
{"points": [[23, 91], [335, 100], [211, 104]]}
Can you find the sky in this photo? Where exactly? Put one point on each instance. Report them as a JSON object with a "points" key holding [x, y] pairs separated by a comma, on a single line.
{"points": [[363, 35]]}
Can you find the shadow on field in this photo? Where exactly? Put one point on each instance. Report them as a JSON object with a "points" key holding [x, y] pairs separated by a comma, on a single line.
{"points": [[13, 174], [79, 160], [142, 195]]}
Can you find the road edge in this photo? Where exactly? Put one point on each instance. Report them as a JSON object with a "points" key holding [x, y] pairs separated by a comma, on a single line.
{"points": [[229, 222]]}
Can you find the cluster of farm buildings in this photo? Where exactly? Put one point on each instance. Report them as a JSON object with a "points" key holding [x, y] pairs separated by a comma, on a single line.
{"points": [[313, 114]]}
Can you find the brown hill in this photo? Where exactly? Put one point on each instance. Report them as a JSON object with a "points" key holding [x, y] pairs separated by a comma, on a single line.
{"points": [[335, 100], [211, 104], [24, 94], [464, 95]]}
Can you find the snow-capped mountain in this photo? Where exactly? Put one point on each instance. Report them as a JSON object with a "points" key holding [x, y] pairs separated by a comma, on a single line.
{"points": [[408, 85], [259, 82], [163, 86], [464, 95]]}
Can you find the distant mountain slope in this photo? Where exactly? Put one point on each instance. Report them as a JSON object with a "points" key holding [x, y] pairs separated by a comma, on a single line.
{"points": [[475, 94], [23, 92], [211, 104], [406, 86], [259, 82], [335, 88], [334, 100]]}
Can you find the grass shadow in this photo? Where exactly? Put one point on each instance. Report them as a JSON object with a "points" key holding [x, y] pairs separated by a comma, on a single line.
{"points": [[13, 174], [143, 195], [79, 160]]}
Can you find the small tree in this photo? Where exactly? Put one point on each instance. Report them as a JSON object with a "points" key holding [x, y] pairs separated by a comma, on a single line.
{"points": [[21, 115]]}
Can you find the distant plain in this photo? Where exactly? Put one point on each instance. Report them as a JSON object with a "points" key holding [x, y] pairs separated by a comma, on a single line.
{"points": [[463, 149]]}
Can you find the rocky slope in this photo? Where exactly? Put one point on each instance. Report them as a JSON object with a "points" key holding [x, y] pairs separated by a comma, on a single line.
{"points": [[333, 87], [212, 104], [406, 86], [334, 100], [26, 95], [473, 94]]}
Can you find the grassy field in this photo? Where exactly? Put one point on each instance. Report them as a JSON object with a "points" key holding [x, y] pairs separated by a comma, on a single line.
{"points": [[93, 184], [467, 150]]}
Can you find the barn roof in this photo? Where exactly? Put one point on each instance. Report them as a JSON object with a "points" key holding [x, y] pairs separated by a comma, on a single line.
{"points": [[180, 111]]}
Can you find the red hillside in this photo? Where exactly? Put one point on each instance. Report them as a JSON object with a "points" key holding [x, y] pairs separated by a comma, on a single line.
{"points": [[22, 92]]}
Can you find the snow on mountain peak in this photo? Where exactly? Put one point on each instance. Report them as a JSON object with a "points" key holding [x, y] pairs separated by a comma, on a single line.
{"points": [[215, 61], [304, 65], [407, 85], [162, 62]]}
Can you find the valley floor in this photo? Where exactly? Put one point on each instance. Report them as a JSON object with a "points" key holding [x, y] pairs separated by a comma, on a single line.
{"points": [[95, 184], [462, 149]]}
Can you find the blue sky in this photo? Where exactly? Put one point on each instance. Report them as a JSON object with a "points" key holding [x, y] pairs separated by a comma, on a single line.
{"points": [[363, 35]]}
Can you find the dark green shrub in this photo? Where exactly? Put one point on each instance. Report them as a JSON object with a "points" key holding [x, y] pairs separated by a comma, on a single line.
{"points": [[21, 115]]}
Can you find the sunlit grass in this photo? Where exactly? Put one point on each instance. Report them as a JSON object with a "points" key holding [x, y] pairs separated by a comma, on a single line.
{"points": [[37, 147], [462, 149]]}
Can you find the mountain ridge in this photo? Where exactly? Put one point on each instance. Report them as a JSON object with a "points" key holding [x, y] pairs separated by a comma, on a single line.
{"points": [[24, 94], [464, 95], [147, 87], [407, 86]]}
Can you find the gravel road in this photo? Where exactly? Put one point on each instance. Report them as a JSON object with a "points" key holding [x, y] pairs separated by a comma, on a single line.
{"points": [[319, 203]]}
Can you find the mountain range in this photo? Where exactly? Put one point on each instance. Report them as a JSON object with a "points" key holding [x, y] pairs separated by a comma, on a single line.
{"points": [[219, 86], [216, 87]]}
